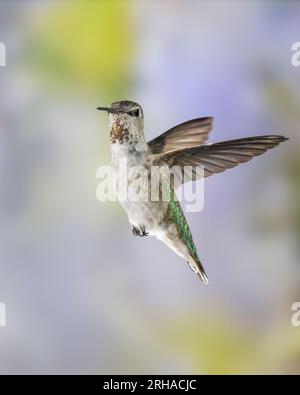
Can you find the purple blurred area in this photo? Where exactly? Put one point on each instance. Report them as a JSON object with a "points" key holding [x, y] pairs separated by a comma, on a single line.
{"points": [[82, 294]]}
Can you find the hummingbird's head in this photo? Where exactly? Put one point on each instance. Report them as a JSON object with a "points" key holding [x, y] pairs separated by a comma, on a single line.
{"points": [[126, 121]]}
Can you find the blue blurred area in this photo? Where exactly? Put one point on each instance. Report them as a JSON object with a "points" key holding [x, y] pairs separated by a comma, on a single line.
{"points": [[82, 294]]}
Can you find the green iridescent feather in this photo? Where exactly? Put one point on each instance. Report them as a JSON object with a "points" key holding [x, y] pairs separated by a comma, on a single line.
{"points": [[176, 215]]}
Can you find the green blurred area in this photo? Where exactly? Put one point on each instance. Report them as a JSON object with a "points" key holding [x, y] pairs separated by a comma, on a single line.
{"points": [[88, 45]]}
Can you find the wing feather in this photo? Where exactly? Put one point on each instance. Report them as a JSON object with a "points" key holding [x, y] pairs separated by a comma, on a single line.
{"points": [[186, 135], [218, 157]]}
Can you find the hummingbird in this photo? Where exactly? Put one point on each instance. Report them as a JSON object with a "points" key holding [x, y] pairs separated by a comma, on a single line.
{"points": [[182, 145]]}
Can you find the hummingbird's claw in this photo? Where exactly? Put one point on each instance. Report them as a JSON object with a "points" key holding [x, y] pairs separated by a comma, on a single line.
{"points": [[135, 231], [141, 231]]}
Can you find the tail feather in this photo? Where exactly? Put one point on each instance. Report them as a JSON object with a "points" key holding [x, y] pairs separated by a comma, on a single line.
{"points": [[198, 268]]}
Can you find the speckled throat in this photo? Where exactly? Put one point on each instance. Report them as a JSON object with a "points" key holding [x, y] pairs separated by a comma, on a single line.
{"points": [[118, 132]]}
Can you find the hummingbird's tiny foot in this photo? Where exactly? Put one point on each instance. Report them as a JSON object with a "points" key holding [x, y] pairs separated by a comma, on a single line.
{"points": [[136, 231], [143, 232]]}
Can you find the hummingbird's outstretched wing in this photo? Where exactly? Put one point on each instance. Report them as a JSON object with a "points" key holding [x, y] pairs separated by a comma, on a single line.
{"points": [[186, 135], [217, 157]]}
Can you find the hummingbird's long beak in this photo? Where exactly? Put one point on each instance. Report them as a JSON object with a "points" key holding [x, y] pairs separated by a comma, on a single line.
{"points": [[108, 109]]}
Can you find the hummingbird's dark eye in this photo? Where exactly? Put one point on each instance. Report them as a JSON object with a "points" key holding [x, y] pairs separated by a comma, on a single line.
{"points": [[134, 113]]}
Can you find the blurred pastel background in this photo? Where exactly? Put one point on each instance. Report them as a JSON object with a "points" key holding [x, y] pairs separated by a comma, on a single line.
{"points": [[82, 294]]}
